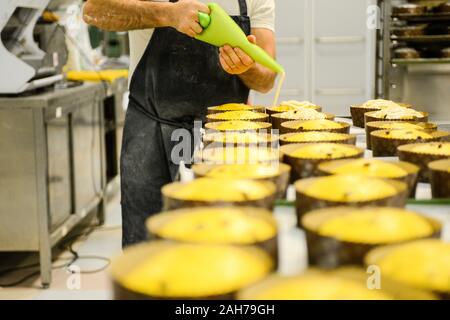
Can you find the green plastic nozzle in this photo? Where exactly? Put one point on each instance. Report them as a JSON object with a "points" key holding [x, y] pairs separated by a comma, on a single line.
{"points": [[219, 29], [204, 19]]}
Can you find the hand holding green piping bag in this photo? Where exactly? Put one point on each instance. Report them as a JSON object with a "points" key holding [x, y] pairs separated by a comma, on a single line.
{"points": [[219, 29]]}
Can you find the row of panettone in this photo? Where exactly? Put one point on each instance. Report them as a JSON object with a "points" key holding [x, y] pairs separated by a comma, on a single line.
{"points": [[217, 237]]}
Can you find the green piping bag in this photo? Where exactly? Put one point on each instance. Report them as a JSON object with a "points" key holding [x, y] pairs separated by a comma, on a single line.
{"points": [[219, 29]]}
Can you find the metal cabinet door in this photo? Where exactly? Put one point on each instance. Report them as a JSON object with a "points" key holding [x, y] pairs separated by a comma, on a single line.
{"points": [[59, 170], [86, 154], [290, 29], [18, 188], [342, 58]]}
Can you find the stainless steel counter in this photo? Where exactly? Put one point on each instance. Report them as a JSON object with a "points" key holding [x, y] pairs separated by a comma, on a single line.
{"points": [[51, 167]]}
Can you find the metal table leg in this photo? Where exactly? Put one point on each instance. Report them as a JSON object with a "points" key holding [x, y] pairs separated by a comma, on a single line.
{"points": [[45, 251], [101, 120]]}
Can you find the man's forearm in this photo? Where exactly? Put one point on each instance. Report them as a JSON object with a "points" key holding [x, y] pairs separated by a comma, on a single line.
{"points": [[119, 15], [259, 78]]}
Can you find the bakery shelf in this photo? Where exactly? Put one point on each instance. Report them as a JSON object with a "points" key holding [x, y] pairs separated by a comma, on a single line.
{"points": [[421, 61]]}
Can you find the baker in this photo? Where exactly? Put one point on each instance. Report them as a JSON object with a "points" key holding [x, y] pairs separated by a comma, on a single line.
{"points": [[174, 79]]}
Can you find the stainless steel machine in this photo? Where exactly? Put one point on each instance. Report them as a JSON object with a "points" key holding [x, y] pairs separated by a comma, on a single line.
{"points": [[26, 65]]}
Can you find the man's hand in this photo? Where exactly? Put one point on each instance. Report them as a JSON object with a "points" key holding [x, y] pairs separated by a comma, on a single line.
{"points": [[234, 60], [184, 16]]}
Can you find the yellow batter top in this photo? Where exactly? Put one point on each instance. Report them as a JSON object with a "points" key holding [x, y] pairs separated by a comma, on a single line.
{"points": [[402, 134], [217, 225], [316, 287], [244, 171], [237, 125], [350, 188], [305, 113], [194, 271], [423, 264], [233, 107], [399, 125], [315, 136], [324, 151], [369, 167], [240, 138], [436, 148], [397, 112], [240, 155], [379, 104], [440, 165], [208, 189], [376, 226], [291, 105], [301, 104], [316, 125], [238, 115]]}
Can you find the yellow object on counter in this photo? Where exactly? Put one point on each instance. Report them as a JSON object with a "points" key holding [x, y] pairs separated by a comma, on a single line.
{"points": [[435, 148], [283, 108], [208, 189], [376, 226], [350, 188], [242, 226], [238, 125], [324, 151], [299, 104], [371, 168], [292, 105], [399, 125], [95, 76], [397, 112], [244, 171], [240, 155], [316, 136], [169, 270], [236, 137], [238, 115], [407, 134], [320, 124], [301, 114], [422, 264], [232, 107], [312, 287], [379, 104]]}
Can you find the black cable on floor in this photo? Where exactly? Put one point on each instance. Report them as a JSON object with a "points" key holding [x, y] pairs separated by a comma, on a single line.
{"points": [[72, 260], [76, 257]]}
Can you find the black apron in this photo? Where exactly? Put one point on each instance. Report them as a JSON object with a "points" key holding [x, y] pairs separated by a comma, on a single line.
{"points": [[177, 78]]}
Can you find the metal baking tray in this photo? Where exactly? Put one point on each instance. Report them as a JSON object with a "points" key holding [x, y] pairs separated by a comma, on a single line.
{"points": [[423, 39], [424, 17], [420, 61]]}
